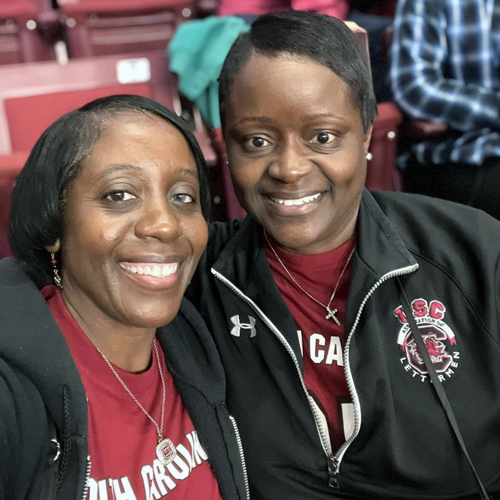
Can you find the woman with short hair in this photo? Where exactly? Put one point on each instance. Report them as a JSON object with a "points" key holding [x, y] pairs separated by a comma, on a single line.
{"points": [[311, 298]]}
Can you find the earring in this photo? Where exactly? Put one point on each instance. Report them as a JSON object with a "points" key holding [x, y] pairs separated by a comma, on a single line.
{"points": [[55, 271]]}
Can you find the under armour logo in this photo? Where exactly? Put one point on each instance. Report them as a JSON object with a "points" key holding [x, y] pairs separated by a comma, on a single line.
{"points": [[236, 330]]}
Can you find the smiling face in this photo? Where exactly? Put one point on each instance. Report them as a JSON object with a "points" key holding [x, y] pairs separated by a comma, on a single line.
{"points": [[134, 230], [297, 151]]}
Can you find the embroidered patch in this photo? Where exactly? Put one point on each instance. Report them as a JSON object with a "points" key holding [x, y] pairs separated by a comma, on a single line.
{"points": [[439, 339], [236, 330]]}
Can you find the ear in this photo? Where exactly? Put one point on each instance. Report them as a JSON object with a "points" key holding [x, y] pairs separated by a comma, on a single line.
{"points": [[366, 138], [55, 247]]}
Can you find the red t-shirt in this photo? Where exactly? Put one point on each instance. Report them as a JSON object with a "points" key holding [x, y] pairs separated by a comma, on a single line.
{"points": [[122, 440], [321, 339]]}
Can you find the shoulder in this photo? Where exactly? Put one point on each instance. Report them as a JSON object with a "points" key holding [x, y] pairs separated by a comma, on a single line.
{"points": [[23, 428], [17, 272], [12, 272], [187, 332], [443, 231], [22, 306], [220, 233], [188, 318], [406, 208]]}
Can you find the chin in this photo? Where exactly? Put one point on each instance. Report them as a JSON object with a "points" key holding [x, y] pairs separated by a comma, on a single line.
{"points": [[153, 322], [151, 318]]}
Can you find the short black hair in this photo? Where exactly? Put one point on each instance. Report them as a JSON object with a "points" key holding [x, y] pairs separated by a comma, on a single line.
{"points": [[37, 209], [321, 38]]}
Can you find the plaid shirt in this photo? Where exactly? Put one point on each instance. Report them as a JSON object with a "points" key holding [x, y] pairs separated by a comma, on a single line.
{"points": [[445, 67]]}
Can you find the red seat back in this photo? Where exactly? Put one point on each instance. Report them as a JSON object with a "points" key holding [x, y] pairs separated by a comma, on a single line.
{"points": [[103, 27], [20, 40], [19, 111], [34, 95]]}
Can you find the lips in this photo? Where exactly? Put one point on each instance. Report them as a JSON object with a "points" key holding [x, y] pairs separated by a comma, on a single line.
{"points": [[150, 269], [153, 272], [296, 201]]}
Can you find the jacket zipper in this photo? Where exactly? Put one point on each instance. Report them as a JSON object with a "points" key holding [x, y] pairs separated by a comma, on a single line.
{"points": [[242, 456], [321, 431], [333, 461], [87, 477]]}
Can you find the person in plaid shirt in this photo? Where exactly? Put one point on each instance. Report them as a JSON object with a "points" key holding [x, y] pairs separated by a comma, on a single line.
{"points": [[445, 68]]}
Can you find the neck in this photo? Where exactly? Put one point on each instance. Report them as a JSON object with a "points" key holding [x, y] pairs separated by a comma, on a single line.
{"points": [[127, 347]]}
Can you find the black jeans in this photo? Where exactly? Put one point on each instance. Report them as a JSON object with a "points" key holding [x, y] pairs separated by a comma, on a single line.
{"points": [[471, 185]]}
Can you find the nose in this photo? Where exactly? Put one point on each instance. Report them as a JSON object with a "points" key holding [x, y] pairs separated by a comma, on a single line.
{"points": [[158, 220], [291, 163]]}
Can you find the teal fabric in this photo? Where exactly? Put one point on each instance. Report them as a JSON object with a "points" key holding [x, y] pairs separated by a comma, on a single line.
{"points": [[196, 53]]}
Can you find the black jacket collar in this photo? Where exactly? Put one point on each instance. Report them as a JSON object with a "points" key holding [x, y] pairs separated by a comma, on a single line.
{"points": [[380, 251]]}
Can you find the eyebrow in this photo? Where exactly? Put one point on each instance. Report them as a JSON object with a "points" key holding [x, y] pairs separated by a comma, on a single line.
{"points": [[326, 115], [112, 169], [189, 171], [260, 119]]}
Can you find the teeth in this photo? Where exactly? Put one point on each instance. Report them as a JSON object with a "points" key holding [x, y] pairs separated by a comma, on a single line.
{"points": [[156, 270], [295, 203]]}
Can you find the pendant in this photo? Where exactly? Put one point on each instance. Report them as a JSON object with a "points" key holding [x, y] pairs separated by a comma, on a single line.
{"points": [[331, 314], [165, 451]]}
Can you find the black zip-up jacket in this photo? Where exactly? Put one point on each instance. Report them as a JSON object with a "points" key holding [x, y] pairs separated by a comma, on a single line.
{"points": [[446, 259], [43, 404]]}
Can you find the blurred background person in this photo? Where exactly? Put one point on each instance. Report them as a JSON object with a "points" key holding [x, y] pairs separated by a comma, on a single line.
{"points": [[445, 68]]}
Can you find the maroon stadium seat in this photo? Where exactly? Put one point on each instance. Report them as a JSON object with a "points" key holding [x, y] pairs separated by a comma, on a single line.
{"points": [[20, 37], [103, 27]]}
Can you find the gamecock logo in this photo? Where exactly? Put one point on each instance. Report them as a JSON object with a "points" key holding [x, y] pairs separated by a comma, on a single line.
{"points": [[439, 340]]}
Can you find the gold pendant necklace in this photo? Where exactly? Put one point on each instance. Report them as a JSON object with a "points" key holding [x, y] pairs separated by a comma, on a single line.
{"points": [[165, 449]]}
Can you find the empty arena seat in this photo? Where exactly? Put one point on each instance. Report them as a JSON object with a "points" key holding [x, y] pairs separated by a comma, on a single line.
{"points": [[20, 37], [102, 27], [33, 95]]}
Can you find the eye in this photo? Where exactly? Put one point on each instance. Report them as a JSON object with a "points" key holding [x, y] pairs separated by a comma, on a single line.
{"points": [[256, 142], [119, 196], [323, 138], [183, 198]]}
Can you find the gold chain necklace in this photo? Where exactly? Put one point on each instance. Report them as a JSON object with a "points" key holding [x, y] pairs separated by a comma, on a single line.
{"points": [[330, 313], [165, 449]]}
